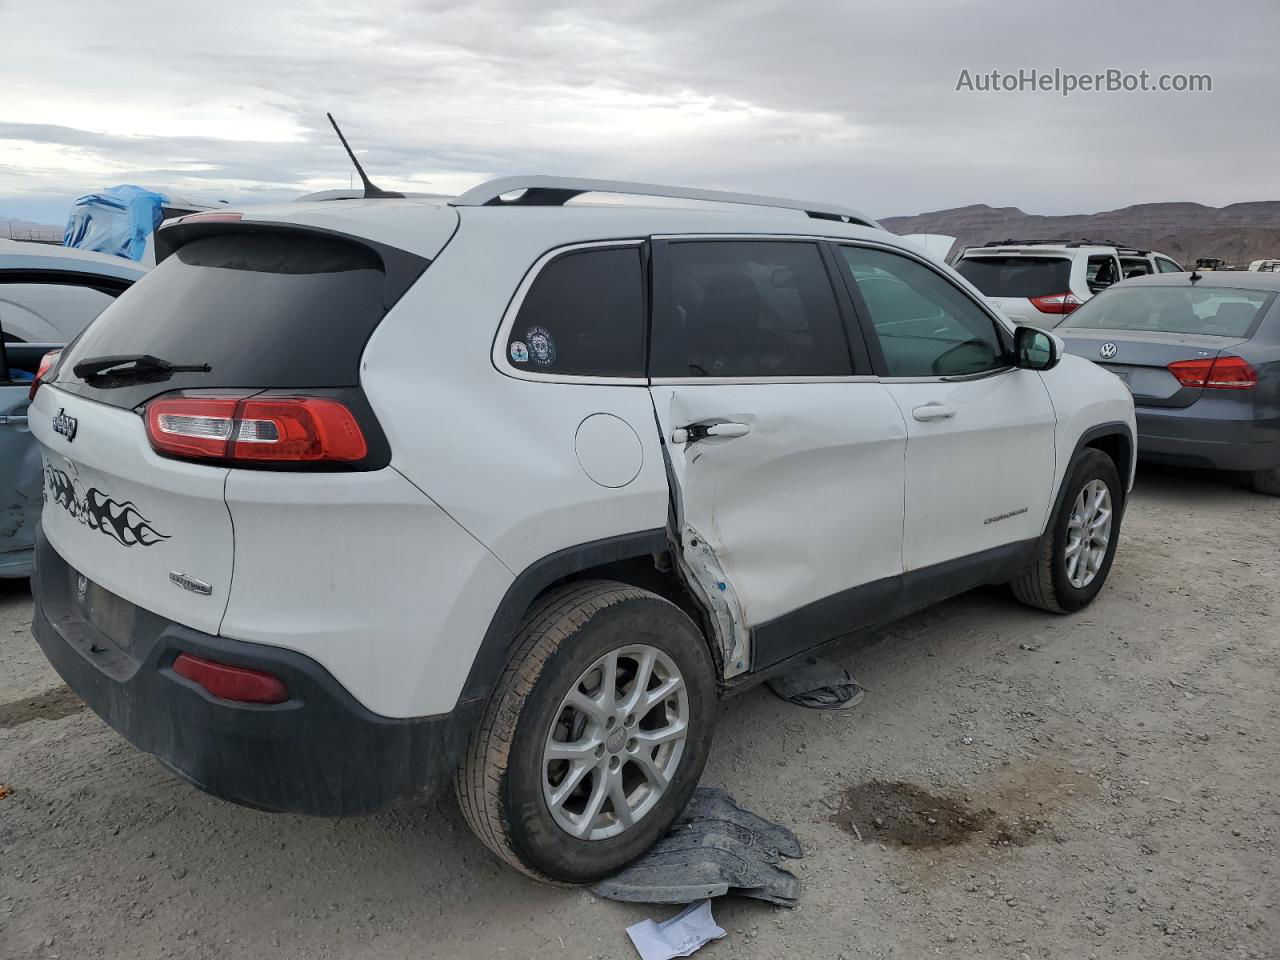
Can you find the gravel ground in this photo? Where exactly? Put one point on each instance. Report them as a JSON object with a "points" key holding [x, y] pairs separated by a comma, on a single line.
{"points": [[1107, 785]]}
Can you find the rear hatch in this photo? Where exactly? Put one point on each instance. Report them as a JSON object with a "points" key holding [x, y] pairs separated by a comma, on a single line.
{"points": [[1029, 288], [249, 312]]}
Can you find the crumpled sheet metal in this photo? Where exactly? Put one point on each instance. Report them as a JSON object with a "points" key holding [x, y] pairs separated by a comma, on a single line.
{"points": [[818, 685], [714, 848]]}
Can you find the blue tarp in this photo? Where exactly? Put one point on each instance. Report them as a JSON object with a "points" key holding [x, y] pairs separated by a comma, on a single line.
{"points": [[117, 220]]}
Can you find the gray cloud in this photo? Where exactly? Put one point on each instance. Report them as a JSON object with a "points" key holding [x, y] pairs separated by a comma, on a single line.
{"points": [[850, 101]]}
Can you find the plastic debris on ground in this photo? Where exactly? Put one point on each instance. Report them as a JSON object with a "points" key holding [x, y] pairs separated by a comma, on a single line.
{"points": [[714, 848], [818, 685], [678, 937]]}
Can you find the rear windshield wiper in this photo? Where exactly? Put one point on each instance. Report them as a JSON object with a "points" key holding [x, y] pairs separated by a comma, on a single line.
{"points": [[133, 365]]}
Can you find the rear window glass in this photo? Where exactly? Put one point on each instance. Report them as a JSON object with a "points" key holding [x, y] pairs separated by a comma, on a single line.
{"points": [[283, 310], [1017, 276], [1198, 310], [584, 315]]}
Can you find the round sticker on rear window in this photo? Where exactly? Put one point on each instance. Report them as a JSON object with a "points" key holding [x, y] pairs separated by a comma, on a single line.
{"points": [[542, 346], [519, 352]]}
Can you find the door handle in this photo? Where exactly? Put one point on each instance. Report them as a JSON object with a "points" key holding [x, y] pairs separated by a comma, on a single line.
{"points": [[694, 432], [933, 411]]}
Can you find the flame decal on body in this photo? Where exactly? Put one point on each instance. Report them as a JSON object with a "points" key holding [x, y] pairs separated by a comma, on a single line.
{"points": [[122, 522]]}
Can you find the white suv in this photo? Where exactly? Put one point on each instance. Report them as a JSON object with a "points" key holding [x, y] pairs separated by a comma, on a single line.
{"points": [[1039, 282], [350, 499]]}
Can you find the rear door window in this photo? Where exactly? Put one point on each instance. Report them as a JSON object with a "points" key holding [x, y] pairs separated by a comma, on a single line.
{"points": [[584, 315], [1017, 276], [746, 308], [926, 326], [1167, 266]]}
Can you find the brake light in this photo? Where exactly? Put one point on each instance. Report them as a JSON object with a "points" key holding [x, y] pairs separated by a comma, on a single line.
{"points": [[47, 363], [1222, 373], [255, 430], [1056, 302], [231, 683]]}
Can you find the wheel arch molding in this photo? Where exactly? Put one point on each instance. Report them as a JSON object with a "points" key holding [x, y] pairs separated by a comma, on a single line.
{"points": [[499, 638]]}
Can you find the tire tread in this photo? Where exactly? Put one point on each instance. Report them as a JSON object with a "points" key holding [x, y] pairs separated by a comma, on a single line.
{"points": [[550, 621]]}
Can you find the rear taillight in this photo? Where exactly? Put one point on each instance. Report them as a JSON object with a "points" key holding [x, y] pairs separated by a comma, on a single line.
{"points": [[231, 683], [47, 363], [1056, 302], [255, 430], [1222, 373]]}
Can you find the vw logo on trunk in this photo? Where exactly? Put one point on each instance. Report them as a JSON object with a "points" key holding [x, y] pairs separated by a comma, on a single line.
{"points": [[1108, 350]]}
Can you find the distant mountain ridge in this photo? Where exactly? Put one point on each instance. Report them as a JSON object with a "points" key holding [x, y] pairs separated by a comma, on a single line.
{"points": [[12, 229], [1238, 233]]}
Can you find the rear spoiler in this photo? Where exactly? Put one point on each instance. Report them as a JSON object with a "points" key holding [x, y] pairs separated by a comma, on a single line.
{"points": [[401, 267]]}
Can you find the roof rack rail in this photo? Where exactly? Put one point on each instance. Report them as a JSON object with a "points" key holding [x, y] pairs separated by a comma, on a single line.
{"points": [[556, 191], [1082, 242]]}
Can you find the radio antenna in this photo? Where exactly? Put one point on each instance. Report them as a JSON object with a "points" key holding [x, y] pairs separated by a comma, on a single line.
{"points": [[370, 190]]}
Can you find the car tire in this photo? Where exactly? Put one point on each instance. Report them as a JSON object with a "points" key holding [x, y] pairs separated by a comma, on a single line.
{"points": [[1050, 582], [1267, 481], [507, 786]]}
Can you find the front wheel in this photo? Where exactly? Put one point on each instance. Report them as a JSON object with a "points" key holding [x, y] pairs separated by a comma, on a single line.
{"points": [[1075, 554], [596, 735]]}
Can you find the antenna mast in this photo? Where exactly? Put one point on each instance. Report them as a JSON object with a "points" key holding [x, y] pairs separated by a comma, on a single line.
{"points": [[370, 190]]}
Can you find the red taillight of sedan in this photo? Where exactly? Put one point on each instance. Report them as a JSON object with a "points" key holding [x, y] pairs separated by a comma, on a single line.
{"points": [[1221, 373]]}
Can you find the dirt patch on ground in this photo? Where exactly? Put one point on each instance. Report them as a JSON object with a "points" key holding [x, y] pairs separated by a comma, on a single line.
{"points": [[50, 705], [907, 815]]}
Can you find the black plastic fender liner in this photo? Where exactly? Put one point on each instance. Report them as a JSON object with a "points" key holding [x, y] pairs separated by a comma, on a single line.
{"points": [[495, 648]]}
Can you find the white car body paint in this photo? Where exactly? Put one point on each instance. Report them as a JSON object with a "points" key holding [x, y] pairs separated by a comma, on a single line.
{"points": [[1084, 396], [400, 584], [175, 508], [777, 504], [389, 579], [951, 489]]}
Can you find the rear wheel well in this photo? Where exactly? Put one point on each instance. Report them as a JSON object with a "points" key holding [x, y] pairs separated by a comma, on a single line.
{"points": [[655, 573]]}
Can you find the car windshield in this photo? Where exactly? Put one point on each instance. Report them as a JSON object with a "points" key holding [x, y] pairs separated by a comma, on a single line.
{"points": [[1017, 276], [1214, 311]]}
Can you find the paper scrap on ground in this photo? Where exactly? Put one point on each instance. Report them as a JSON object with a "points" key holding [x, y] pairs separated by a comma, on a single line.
{"points": [[678, 937]]}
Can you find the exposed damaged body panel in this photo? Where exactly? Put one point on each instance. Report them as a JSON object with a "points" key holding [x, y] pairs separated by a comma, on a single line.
{"points": [[777, 493]]}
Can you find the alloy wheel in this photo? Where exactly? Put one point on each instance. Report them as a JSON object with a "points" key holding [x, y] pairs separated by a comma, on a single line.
{"points": [[615, 743], [1088, 533]]}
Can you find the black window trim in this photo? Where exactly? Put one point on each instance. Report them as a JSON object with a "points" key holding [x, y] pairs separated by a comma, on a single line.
{"points": [[859, 356], [1003, 329], [106, 284], [498, 356]]}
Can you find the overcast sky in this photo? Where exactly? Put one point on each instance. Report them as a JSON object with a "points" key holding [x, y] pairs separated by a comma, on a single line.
{"points": [[852, 102]]}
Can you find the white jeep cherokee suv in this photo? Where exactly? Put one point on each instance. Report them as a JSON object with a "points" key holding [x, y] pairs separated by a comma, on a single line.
{"points": [[350, 499]]}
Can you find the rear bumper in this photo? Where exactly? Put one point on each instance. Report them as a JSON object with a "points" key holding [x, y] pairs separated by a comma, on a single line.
{"points": [[320, 752], [1178, 438]]}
